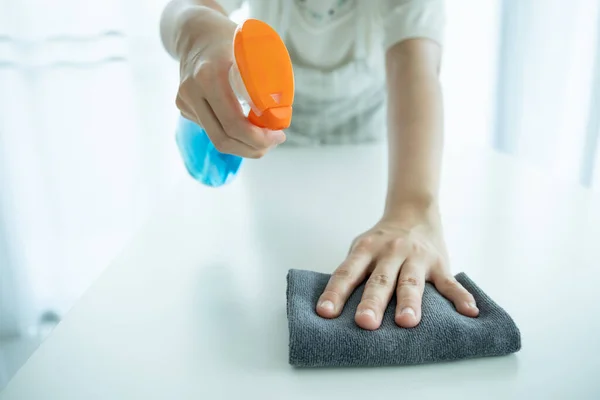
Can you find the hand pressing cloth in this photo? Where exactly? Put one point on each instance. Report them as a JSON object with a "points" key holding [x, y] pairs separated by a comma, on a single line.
{"points": [[442, 335]]}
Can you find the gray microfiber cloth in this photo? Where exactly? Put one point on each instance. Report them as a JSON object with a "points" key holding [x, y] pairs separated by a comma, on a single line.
{"points": [[442, 335]]}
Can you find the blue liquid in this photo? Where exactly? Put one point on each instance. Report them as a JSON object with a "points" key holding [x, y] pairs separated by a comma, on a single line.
{"points": [[203, 162]]}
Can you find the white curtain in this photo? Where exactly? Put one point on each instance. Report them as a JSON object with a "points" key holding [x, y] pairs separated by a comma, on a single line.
{"points": [[86, 144], [87, 118], [549, 86]]}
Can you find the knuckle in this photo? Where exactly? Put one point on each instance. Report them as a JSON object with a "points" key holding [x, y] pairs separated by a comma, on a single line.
{"points": [[464, 293], [405, 301], [363, 244], [184, 85], [439, 263], [205, 72], [236, 125], [450, 282], [390, 253], [397, 244], [188, 116], [221, 144], [259, 153], [379, 232], [418, 249], [356, 256], [330, 294], [408, 282], [180, 103], [469, 298], [220, 147], [370, 301], [379, 280], [342, 273]]}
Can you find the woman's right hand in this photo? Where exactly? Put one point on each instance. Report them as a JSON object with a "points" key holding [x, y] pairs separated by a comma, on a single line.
{"points": [[205, 95]]}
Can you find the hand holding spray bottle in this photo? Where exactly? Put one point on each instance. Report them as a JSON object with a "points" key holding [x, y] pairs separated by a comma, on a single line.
{"points": [[262, 79]]}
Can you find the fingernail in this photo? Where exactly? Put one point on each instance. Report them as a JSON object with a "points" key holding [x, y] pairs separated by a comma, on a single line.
{"points": [[472, 304], [408, 310], [367, 311], [327, 305]]}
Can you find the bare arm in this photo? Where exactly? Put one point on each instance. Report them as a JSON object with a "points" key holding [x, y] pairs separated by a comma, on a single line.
{"points": [[415, 126], [406, 247], [188, 23], [199, 34]]}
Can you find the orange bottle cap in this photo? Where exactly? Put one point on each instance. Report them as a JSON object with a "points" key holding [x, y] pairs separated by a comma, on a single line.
{"points": [[266, 70]]}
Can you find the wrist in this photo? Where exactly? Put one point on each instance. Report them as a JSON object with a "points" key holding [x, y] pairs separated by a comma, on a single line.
{"points": [[409, 208], [199, 26]]}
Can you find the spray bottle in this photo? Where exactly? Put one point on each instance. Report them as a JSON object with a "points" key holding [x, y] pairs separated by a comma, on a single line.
{"points": [[263, 81]]}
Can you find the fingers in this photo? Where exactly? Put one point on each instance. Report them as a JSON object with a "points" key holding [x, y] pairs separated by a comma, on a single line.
{"points": [[207, 99], [409, 293], [185, 110], [379, 289], [449, 287], [344, 280], [219, 138], [229, 113], [214, 79]]}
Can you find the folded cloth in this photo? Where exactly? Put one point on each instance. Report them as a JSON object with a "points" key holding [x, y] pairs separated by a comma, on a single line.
{"points": [[442, 335]]}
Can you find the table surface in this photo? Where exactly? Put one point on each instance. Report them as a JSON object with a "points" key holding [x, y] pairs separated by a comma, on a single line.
{"points": [[194, 308]]}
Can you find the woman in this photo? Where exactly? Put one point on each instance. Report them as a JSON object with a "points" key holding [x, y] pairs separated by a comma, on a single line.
{"points": [[356, 62]]}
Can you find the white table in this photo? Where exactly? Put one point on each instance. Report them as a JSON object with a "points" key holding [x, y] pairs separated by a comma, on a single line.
{"points": [[195, 306]]}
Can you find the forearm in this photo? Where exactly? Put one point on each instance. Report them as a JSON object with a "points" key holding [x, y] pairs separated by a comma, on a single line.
{"points": [[415, 126], [187, 23]]}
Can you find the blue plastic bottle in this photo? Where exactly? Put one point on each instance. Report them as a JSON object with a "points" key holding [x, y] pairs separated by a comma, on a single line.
{"points": [[202, 160]]}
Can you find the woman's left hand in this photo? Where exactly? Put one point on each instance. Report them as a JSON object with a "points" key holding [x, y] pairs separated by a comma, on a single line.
{"points": [[399, 254]]}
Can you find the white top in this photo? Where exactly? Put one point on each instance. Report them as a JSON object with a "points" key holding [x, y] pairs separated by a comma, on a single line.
{"points": [[194, 307], [324, 33], [337, 48]]}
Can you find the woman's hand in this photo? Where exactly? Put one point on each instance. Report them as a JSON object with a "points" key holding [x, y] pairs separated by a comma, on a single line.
{"points": [[399, 254], [205, 95]]}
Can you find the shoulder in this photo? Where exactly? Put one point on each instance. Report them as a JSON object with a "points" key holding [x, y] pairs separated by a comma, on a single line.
{"points": [[411, 19]]}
